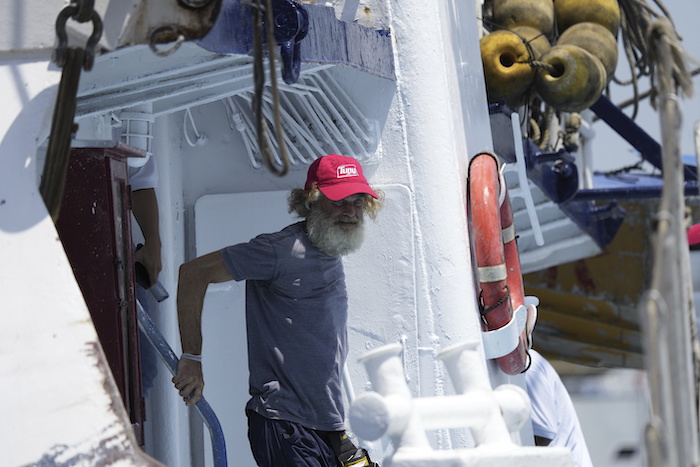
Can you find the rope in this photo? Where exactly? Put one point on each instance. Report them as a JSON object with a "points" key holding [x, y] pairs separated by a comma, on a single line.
{"points": [[541, 127], [571, 135], [551, 69], [622, 170], [663, 30], [647, 93], [670, 267], [483, 309], [547, 126], [259, 82], [637, 20]]}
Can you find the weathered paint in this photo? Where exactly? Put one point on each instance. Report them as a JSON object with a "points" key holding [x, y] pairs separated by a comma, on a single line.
{"points": [[592, 303], [65, 405]]}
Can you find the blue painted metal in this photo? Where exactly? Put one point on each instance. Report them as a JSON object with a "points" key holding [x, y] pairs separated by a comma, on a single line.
{"points": [[641, 188], [556, 174], [168, 357], [647, 146], [328, 40], [291, 26], [600, 222]]}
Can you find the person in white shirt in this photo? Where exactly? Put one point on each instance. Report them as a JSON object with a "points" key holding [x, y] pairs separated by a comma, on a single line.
{"points": [[554, 419]]}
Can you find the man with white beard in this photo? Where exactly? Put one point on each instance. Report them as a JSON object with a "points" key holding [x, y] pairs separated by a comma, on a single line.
{"points": [[296, 319]]}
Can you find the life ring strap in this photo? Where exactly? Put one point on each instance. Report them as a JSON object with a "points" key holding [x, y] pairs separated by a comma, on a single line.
{"points": [[508, 234], [495, 273]]}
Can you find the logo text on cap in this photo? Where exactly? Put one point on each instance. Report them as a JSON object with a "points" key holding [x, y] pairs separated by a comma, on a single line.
{"points": [[347, 170]]}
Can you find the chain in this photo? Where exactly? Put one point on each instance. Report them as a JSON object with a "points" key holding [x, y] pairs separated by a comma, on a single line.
{"points": [[72, 60], [76, 11], [86, 8], [62, 129]]}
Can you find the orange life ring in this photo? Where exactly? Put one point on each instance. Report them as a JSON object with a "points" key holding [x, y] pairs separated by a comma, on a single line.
{"points": [[515, 278], [493, 240]]}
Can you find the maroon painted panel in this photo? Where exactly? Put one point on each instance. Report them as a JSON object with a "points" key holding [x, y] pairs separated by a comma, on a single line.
{"points": [[94, 225]]}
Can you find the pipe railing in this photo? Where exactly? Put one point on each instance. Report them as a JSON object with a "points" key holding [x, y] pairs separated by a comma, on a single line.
{"points": [[168, 357]]}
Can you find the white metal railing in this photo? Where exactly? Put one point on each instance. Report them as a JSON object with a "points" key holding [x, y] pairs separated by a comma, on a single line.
{"points": [[491, 414], [318, 118]]}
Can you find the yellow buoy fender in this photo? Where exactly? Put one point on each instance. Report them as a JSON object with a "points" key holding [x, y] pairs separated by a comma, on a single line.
{"points": [[538, 14], [506, 56], [603, 12], [596, 39], [575, 82]]}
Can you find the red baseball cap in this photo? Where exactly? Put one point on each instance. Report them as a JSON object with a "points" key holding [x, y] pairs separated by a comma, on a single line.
{"points": [[337, 177]]}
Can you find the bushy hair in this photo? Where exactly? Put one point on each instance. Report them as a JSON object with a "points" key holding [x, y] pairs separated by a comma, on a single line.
{"points": [[301, 202]]}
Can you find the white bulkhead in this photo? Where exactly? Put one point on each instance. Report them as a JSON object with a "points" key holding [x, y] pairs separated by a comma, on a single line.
{"points": [[411, 284]]}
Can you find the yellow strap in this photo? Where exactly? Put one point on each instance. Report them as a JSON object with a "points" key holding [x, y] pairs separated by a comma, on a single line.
{"points": [[359, 462]]}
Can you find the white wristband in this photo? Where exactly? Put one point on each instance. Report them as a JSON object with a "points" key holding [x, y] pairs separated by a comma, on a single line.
{"points": [[189, 356]]}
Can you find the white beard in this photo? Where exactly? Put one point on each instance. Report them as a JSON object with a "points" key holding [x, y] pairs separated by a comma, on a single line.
{"points": [[331, 238]]}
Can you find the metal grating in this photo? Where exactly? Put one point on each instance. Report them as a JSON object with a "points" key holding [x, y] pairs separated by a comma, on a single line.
{"points": [[318, 118]]}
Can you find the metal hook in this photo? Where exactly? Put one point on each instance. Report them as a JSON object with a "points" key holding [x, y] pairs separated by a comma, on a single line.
{"points": [[166, 31]]}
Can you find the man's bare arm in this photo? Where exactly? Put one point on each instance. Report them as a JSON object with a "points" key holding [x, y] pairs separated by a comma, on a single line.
{"points": [[195, 277], [144, 205]]}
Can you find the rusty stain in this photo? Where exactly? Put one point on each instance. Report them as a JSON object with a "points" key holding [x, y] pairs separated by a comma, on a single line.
{"points": [[103, 448], [550, 277], [590, 306], [584, 277], [108, 383], [104, 453], [367, 10], [108, 451]]}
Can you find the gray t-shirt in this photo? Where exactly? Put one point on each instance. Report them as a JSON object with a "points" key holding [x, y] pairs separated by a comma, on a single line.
{"points": [[296, 317]]}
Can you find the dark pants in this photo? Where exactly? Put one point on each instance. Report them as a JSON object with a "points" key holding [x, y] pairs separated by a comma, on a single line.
{"points": [[279, 443]]}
